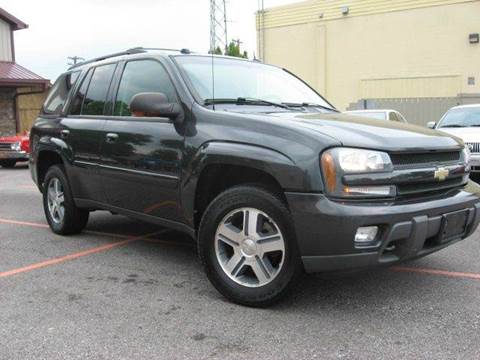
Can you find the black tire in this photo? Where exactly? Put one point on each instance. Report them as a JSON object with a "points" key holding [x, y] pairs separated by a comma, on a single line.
{"points": [[243, 197], [74, 219], [8, 164]]}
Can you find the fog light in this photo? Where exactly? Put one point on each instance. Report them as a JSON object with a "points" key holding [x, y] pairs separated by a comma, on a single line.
{"points": [[366, 234]]}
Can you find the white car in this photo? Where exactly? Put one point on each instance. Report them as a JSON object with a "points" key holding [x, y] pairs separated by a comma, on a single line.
{"points": [[380, 114], [463, 122]]}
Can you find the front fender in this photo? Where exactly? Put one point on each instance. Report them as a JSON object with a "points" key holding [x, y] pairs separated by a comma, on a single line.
{"points": [[282, 168]]}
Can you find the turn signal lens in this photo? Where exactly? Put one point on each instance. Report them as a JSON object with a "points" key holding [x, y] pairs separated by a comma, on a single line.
{"points": [[328, 167]]}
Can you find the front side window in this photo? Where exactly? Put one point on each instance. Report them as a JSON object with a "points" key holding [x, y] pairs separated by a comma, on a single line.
{"points": [[59, 93], [142, 76], [245, 79], [394, 117], [96, 95], [461, 117]]}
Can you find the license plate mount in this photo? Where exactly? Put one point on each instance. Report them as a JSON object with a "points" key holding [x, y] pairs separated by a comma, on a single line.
{"points": [[454, 225]]}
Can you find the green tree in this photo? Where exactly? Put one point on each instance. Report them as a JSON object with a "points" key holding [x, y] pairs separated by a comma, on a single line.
{"points": [[233, 49]]}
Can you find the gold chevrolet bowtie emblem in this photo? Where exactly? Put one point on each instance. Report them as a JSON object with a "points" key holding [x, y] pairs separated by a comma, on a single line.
{"points": [[441, 174]]}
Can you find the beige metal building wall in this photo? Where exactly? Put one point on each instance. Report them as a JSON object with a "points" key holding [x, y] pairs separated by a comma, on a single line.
{"points": [[379, 49], [5, 41]]}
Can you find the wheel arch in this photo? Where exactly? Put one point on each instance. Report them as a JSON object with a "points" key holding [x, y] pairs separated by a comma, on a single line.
{"points": [[218, 166]]}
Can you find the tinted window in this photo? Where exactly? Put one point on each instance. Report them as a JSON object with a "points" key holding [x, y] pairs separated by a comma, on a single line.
{"points": [[394, 117], [77, 102], [94, 101], [142, 76], [59, 93]]}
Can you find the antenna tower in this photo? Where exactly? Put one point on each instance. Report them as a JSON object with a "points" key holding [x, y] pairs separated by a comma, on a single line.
{"points": [[218, 25]]}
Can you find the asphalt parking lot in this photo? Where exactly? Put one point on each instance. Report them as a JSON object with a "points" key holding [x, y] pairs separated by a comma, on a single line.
{"points": [[124, 289]]}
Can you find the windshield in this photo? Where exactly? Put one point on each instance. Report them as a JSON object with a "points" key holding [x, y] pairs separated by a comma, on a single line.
{"points": [[372, 115], [463, 117], [236, 79]]}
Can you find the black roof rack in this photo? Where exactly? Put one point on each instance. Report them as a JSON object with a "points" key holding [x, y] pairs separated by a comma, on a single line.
{"points": [[135, 50]]}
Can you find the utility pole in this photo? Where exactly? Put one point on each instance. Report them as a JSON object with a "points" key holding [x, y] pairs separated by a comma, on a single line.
{"points": [[75, 59], [218, 25]]}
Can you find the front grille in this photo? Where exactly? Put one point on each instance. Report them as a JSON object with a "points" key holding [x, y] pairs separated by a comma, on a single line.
{"points": [[429, 158], [5, 146], [474, 147], [434, 186]]}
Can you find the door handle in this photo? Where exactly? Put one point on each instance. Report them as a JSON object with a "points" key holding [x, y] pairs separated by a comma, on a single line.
{"points": [[64, 134], [111, 137]]}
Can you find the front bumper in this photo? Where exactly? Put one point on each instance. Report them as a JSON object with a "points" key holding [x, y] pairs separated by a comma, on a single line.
{"points": [[326, 229], [13, 155]]}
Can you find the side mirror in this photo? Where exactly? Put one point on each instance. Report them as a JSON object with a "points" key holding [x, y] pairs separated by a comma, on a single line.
{"points": [[154, 104], [431, 124]]}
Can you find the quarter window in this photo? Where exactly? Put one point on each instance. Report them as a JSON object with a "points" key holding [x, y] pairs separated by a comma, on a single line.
{"points": [[59, 93], [142, 76]]}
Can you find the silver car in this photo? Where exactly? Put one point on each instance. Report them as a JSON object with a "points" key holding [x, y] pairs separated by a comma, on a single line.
{"points": [[463, 122], [380, 114]]}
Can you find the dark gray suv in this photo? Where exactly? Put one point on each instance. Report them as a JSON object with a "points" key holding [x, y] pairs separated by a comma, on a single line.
{"points": [[266, 175]]}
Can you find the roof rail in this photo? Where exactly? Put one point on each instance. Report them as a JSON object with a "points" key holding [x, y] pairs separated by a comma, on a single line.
{"points": [[135, 50]]}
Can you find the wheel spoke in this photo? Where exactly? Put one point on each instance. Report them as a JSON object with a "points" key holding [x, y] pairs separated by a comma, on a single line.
{"points": [[271, 243], [260, 270], [229, 234], [51, 193], [61, 212], [250, 223], [57, 186], [234, 265], [61, 199]]}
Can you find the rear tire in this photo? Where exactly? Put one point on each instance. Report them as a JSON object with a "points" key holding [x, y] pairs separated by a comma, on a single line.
{"points": [[8, 164], [247, 246], [63, 216]]}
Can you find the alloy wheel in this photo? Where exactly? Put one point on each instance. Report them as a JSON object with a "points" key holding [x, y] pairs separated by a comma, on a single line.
{"points": [[250, 247]]}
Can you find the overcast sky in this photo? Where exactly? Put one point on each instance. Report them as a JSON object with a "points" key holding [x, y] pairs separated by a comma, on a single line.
{"points": [[89, 28]]}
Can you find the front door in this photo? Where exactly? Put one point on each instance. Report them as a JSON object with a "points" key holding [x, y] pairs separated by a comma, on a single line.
{"points": [[141, 156]]}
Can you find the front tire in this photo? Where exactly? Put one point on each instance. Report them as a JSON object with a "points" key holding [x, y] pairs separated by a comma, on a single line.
{"points": [[8, 164], [63, 216], [247, 246]]}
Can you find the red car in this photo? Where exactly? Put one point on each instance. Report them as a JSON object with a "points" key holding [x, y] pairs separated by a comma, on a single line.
{"points": [[14, 149]]}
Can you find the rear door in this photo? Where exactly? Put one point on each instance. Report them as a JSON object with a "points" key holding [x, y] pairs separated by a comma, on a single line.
{"points": [[83, 131], [141, 156]]}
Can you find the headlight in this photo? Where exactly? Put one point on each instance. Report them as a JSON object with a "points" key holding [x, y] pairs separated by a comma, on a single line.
{"points": [[16, 146], [466, 155], [337, 162]]}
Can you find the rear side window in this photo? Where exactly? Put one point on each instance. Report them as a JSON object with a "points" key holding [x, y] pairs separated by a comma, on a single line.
{"points": [[142, 76], [59, 93], [77, 102], [96, 95]]}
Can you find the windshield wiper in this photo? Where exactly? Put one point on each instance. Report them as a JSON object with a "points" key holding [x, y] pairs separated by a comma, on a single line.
{"points": [[475, 125], [245, 101], [451, 126], [306, 104]]}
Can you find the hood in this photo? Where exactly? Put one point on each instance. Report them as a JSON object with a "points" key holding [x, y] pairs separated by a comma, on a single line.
{"points": [[356, 131], [467, 134]]}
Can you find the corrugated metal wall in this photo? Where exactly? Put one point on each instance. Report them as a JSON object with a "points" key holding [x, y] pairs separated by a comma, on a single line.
{"points": [[5, 42], [418, 111]]}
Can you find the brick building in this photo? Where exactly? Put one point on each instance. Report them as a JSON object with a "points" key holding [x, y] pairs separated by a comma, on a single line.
{"points": [[15, 81]]}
